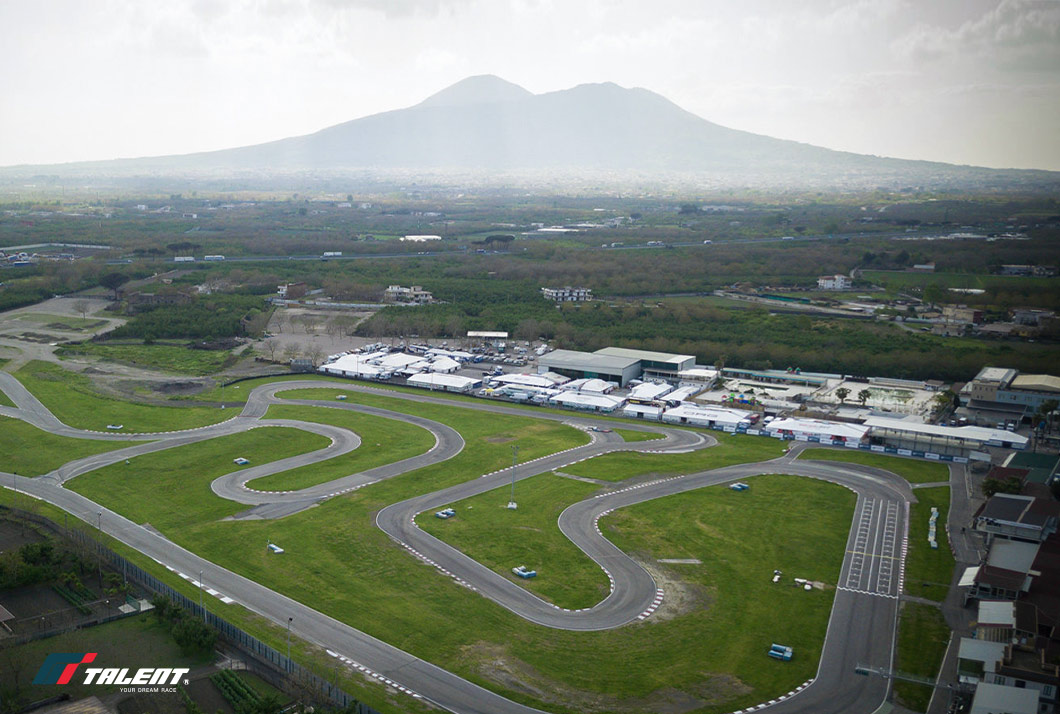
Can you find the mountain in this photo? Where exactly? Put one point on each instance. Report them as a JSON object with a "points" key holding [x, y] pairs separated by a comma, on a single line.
{"points": [[488, 125]]}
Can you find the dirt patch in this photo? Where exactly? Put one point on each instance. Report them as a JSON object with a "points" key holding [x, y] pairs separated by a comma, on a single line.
{"points": [[495, 663], [179, 387], [680, 597], [36, 337]]}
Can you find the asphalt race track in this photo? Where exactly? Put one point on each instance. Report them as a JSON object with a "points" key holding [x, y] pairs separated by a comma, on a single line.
{"points": [[861, 628]]}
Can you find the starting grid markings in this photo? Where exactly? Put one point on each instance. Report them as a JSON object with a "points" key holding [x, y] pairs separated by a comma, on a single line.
{"points": [[223, 598], [876, 560], [373, 674]]}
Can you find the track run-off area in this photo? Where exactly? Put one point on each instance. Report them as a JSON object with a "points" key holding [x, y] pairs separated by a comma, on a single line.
{"points": [[861, 628]]}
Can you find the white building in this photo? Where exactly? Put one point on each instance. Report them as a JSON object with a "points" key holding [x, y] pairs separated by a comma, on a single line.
{"points": [[444, 365], [593, 386], [649, 391], [355, 366], [567, 294], [416, 295], [824, 430], [420, 238], [1001, 699], [834, 282], [642, 411], [713, 417], [445, 382], [588, 402]]}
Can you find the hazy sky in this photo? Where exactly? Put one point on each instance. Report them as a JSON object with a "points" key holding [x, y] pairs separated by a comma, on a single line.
{"points": [[963, 81]]}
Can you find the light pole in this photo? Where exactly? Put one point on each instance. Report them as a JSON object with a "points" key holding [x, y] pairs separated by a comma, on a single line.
{"points": [[515, 456], [289, 621], [99, 546]]}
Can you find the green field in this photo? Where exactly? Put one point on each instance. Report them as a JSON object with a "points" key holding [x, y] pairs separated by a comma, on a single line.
{"points": [[75, 402], [630, 436], [928, 571], [383, 441], [5, 401], [922, 640], [501, 539], [731, 449], [912, 470], [173, 358], [61, 322], [184, 473], [28, 451], [337, 561]]}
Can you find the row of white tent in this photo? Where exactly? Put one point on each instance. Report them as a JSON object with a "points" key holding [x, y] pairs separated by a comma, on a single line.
{"points": [[384, 364]]}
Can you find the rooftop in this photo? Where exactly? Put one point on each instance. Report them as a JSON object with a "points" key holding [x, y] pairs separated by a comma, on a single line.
{"points": [[995, 374], [1011, 508], [673, 359], [1012, 555], [997, 613], [1037, 383], [570, 359], [993, 698], [970, 433]]}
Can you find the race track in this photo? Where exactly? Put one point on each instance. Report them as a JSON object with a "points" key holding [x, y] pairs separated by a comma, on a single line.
{"points": [[861, 628]]}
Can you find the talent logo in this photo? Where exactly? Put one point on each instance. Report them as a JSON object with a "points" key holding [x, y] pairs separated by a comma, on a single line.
{"points": [[59, 667]]}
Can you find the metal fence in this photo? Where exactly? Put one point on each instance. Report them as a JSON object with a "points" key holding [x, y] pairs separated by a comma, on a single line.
{"points": [[291, 676]]}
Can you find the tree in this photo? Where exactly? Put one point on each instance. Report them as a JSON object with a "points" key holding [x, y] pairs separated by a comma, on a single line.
{"points": [[841, 394], [193, 635], [315, 354], [863, 396], [271, 345], [81, 306], [113, 281], [290, 351]]}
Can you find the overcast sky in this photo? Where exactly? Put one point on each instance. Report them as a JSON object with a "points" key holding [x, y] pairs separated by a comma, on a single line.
{"points": [[963, 81]]}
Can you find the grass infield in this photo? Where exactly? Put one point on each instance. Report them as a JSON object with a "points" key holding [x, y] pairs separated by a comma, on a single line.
{"points": [[928, 571], [28, 451], [731, 449], [72, 399], [912, 470]]}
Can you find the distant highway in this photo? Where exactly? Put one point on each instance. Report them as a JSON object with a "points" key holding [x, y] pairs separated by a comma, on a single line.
{"points": [[436, 253], [863, 619]]}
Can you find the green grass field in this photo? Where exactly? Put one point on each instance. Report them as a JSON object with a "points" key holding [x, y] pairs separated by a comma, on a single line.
{"points": [[60, 322], [922, 640], [73, 400], [912, 470], [173, 358], [731, 449], [28, 451], [501, 539], [5, 401], [631, 436], [383, 441], [928, 571], [184, 473], [339, 563]]}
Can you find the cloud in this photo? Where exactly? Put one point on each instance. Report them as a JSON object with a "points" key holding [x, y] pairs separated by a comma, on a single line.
{"points": [[1019, 35]]}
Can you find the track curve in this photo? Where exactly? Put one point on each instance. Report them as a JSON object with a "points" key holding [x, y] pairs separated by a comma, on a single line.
{"points": [[865, 604]]}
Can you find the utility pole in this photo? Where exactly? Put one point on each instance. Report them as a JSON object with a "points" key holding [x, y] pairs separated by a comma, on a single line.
{"points": [[99, 546], [515, 456], [289, 621]]}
